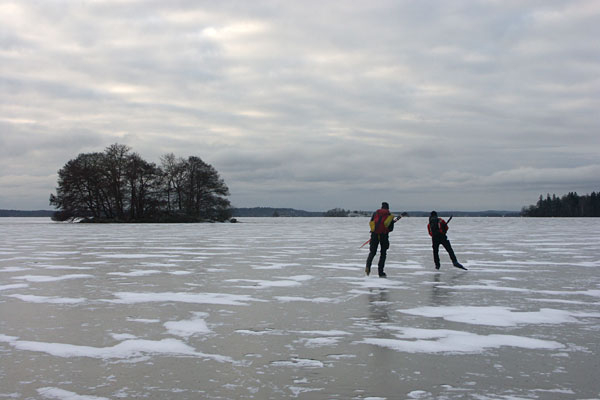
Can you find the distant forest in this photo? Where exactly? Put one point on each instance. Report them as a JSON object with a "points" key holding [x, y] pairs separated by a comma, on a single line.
{"points": [[569, 205], [340, 212], [273, 212], [19, 213], [119, 186]]}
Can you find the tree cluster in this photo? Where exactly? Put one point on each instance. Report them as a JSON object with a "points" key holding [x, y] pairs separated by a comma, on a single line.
{"points": [[337, 212], [569, 205], [118, 185]]}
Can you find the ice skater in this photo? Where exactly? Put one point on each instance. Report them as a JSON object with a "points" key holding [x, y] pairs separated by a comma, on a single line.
{"points": [[381, 224], [437, 228]]}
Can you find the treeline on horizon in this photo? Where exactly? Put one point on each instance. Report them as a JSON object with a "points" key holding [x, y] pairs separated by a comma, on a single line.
{"points": [[340, 212], [117, 185], [291, 212], [569, 205]]}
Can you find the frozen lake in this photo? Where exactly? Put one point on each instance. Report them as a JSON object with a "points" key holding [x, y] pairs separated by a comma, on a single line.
{"points": [[278, 308]]}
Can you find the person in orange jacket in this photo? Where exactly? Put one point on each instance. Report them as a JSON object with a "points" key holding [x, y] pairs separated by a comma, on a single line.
{"points": [[437, 229], [381, 224]]}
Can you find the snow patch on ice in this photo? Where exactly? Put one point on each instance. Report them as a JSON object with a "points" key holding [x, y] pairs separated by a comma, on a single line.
{"points": [[144, 320], [182, 297], [122, 336], [327, 338], [561, 301], [419, 394], [291, 281], [560, 391], [189, 327], [59, 253], [495, 315], [14, 286], [7, 339], [588, 264], [456, 342], [341, 356], [259, 332], [297, 390], [14, 269], [289, 299], [299, 362], [263, 284], [57, 267], [158, 264], [321, 341], [333, 332], [46, 299], [136, 272], [589, 292], [136, 256], [46, 278], [274, 266], [60, 394], [125, 350]]}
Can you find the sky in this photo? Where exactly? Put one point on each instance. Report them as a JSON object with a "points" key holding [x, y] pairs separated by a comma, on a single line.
{"points": [[432, 104]]}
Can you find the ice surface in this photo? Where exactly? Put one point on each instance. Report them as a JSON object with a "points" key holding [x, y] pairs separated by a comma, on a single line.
{"points": [[280, 308]]}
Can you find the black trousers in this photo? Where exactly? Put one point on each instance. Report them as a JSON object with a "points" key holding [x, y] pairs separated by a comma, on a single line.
{"points": [[443, 240], [376, 240]]}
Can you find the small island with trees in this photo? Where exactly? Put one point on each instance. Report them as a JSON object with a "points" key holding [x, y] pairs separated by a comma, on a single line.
{"points": [[117, 185]]}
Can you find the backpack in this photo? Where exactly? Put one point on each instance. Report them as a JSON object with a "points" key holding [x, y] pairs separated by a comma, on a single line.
{"points": [[382, 222], [434, 225]]}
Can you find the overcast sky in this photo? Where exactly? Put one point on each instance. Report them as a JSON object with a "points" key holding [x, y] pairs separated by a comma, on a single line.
{"points": [[462, 105]]}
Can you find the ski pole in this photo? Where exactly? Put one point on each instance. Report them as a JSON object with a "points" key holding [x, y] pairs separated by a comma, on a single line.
{"points": [[363, 245]]}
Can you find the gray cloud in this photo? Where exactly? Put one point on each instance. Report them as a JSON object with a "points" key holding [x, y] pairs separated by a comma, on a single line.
{"points": [[462, 104]]}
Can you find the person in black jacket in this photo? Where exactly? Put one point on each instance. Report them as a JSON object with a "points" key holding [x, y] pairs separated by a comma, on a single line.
{"points": [[437, 229]]}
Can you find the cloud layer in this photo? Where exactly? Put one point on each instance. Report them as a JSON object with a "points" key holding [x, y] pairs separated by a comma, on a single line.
{"points": [[314, 105]]}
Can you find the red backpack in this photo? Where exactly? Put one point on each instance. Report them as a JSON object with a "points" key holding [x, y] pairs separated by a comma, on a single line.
{"points": [[382, 222]]}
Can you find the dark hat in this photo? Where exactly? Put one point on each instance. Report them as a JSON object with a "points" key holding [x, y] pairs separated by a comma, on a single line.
{"points": [[385, 205], [433, 214]]}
